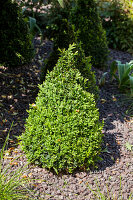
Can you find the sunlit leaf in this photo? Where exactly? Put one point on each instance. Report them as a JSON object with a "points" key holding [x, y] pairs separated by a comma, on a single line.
{"points": [[61, 2], [129, 146], [103, 101]]}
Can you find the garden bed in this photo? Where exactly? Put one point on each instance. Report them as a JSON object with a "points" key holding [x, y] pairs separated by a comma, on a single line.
{"points": [[18, 88]]}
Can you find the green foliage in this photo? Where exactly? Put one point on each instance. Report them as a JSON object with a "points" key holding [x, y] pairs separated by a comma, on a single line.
{"points": [[58, 27], [67, 24], [85, 18], [83, 65], [63, 131], [117, 19], [16, 46], [12, 185], [33, 27], [29, 16], [123, 74], [129, 146], [60, 31]]}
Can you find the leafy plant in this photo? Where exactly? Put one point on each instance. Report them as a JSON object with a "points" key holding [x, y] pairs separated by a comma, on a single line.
{"points": [[16, 46], [84, 16], [123, 74], [66, 23], [29, 15], [63, 131], [33, 27], [60, 31], [83, 64], [12, 185], [117, 19]]}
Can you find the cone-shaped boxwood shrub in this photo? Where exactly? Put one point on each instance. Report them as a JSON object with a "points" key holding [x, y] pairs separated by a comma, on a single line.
{"points": [[15, 43], [63, 131], [83, 64], [84, 16]]}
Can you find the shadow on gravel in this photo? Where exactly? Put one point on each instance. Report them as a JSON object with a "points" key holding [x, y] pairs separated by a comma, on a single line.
{"points": [[113, 112]]}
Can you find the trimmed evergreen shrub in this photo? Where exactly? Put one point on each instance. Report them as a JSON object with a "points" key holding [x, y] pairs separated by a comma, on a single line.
{"points": [[77, 21], [60, 31], [84, 16], [16, 46], [63, 131], [83, 64]]}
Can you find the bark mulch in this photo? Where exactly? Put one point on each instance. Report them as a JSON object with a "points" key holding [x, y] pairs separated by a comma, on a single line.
{"points": [[18, 88]]}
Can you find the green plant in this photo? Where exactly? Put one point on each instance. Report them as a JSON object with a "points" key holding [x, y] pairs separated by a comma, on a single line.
{"points": [[16, 46], [123, 74], [36, 10], [63, 131], [129, 146], [12, 185], [29, 16], [83, 64], [117, 19], [60, 31], [33, 27], [66, 24], [86, 21]]}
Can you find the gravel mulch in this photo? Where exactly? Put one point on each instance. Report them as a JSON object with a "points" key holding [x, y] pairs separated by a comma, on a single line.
{"points": [[18, 88]]}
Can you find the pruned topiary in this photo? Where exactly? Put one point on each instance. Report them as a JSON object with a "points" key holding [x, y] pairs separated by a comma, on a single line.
{"points": [[84, 16], [63, 131]]}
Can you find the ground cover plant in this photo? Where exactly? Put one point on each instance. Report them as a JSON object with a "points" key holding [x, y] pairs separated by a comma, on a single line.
{"points": [[16, 46], [63, 131]]}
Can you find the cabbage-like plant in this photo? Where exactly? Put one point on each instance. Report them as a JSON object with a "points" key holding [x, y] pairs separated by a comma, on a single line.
{"points": [[123, 73]]}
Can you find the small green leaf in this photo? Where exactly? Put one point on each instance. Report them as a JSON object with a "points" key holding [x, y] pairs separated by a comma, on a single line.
{"points": [[103, 79], [32, 23], [113, 69], [61, 2], [106, 150], [129, 146], [131, 84]]}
